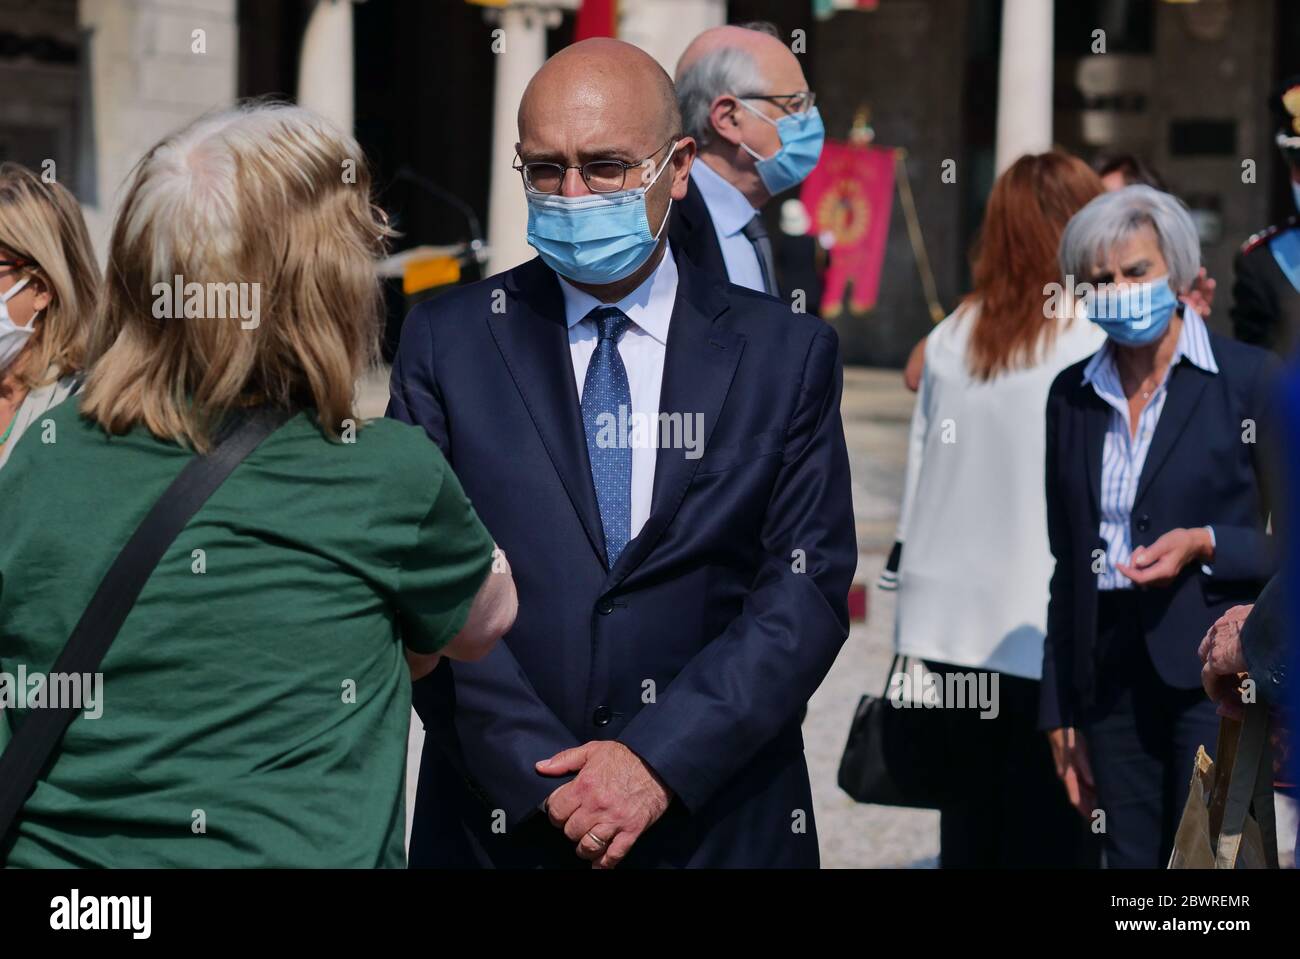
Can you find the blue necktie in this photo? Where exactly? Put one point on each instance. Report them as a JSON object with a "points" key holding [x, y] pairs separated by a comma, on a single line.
{"points": [[606, 415]]}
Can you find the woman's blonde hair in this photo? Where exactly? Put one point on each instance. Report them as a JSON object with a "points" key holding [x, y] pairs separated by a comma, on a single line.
{"points": [[265, 205], [41, 225]]}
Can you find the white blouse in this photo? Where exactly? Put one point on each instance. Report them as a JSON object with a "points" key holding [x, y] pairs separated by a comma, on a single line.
{"points": [[973, 582]]}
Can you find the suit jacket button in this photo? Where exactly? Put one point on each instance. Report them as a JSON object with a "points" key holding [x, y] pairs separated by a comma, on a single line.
{"points": [[1143, 523], [602, 716], [605, 607]]}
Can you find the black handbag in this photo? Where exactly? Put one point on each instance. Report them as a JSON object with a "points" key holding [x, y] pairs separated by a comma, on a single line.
{"points": [[34, 742], [900, 755]]}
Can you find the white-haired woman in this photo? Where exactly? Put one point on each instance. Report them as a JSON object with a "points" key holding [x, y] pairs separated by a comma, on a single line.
{"points": [[48, 284], [1156, 515], [256, 701]]}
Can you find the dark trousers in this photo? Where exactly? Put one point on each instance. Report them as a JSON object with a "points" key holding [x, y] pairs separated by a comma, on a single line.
{"points": [[1141, 736], [1015, 814]]}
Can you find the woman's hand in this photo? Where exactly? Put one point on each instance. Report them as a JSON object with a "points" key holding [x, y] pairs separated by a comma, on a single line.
{"points": [[1201, 295], [915, 367], [1073, 769], [1160, 563]]}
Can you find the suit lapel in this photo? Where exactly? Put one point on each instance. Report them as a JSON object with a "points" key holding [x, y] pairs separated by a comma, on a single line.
{"points": [[699, 364], [1187, 383], [696, 237], [533, 339], [1097, 413]]}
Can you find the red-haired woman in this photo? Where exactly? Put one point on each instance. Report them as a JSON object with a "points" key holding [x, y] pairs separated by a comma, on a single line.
{"points": [[972, 599]]}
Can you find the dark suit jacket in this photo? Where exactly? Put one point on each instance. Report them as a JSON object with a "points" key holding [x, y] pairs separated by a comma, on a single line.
{"points": [[692, 233], [1265, 642], [1198, 472], [698, 649], [1265, 306]]}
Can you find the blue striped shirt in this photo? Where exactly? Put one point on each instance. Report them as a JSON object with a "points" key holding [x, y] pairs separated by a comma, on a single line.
{"points": [[1123, 454]]}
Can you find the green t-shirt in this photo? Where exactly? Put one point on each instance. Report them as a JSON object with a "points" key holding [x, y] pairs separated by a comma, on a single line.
{"points": [[255, 704]]}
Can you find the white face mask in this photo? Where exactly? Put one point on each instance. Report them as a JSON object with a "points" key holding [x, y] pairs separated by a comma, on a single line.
{"points": [[12, 336]]}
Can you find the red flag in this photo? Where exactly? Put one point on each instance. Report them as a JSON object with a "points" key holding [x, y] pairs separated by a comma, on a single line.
{"points": [[851, 194], [596, 18]]}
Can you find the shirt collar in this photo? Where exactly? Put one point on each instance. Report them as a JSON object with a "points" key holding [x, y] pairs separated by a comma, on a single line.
{"points": [[649, 306], [727, 205], [1193, 345]]}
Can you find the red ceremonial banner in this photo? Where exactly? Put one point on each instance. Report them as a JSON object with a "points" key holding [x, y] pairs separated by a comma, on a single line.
{"points": [[850, 194], [596, 18]]}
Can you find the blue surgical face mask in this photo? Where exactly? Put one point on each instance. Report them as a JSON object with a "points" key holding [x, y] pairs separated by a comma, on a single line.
{"points": [[1134, 315], [596, 238], [802, 135]]}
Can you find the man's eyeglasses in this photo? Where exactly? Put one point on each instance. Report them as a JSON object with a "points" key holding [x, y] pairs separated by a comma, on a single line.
{"points": [[601, 176], [800, 102]]}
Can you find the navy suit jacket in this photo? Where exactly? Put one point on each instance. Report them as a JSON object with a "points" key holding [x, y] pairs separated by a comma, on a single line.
{"points": [[1199, 471], [717, 622], [691, 232]]}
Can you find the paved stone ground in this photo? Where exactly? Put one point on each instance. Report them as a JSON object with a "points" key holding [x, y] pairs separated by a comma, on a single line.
{"points": [[876, 411]]}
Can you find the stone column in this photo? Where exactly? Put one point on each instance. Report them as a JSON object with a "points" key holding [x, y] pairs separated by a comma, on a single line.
{"points": [[1024, 80], [155, 65], [519, 42], [325, 67], [664, 28]]}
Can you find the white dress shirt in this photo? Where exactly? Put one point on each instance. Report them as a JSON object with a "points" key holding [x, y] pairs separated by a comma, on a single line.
{"points": [[1123, 454], [730, 212], [642, 348], [973, 582]]}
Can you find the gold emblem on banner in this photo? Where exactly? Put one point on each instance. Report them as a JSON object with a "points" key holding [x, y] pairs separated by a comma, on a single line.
{"points": [[844, 210]]}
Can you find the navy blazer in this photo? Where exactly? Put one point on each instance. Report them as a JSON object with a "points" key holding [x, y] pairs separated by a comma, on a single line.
{"points": [[1200, 471], [692, 233], [717, 622]]}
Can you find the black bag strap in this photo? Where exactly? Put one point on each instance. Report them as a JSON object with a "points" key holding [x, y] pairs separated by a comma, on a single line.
{"points": [[899, 658], [35, 741]]}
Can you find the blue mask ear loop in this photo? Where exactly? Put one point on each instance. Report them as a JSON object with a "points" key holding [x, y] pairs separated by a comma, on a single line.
{"points": [[658, 173], [745, 146]]}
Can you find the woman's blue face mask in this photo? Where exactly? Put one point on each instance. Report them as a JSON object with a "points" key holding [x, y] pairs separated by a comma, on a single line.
{"points": [[802, 136], [596, 238], [1135, 314]]}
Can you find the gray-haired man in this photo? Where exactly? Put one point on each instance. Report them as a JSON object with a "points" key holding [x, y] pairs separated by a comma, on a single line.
{"points": [[746, 102]]}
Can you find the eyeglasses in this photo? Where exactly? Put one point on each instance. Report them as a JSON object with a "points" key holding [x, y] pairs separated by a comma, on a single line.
{"points": [[800, 102], [601, 176]]}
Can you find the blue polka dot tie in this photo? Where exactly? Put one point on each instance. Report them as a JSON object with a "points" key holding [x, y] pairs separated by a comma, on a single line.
{"points": [[606, 415]]}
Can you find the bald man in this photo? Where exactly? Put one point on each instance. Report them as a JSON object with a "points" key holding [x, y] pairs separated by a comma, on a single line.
{"points": [[661, 456], [746, 103]]}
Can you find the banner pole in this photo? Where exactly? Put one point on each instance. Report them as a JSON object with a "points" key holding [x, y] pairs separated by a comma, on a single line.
{"points": [[914, 234]]}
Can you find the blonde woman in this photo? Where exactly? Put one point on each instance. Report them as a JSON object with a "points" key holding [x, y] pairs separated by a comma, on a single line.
{"points": [[48, 281], [255, 703]]}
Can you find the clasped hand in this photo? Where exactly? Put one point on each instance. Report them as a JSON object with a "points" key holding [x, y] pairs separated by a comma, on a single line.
{"points": [[614, 799]]}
